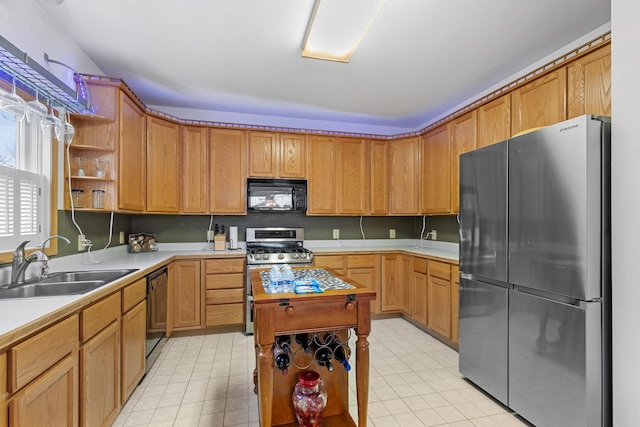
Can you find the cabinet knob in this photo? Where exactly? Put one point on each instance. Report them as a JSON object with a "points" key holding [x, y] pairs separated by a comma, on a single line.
{"points": [[289, 310], [349, 306]]}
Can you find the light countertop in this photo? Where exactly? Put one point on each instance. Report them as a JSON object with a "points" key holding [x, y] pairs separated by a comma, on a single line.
{"points": [[19, 316]]}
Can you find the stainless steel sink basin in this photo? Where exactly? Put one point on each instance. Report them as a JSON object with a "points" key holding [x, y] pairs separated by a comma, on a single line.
{"points": [[64, 283]]}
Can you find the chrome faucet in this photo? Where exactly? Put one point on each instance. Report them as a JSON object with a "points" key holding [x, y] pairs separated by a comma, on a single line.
{"points": [[20, 262]]}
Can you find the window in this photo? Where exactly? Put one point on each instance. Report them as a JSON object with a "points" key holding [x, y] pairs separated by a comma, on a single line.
{"points": [[25, 179]]}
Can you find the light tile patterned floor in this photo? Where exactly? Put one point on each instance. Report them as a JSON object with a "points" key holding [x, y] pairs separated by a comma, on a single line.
{"points": [[414, 381]]}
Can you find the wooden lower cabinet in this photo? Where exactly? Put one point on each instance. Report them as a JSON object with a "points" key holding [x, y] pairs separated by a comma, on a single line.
{"points": [[100, 377], [3, 390], [419, 284], [455, 312], [365, 269], [334, 262], [51, 399], [133, 348], [405, 283], [224, 291], [186, 295], [439, 298], [391, 290]]}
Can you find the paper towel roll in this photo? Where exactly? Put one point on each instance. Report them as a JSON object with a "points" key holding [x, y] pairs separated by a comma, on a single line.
{"points": [[233, 237]]}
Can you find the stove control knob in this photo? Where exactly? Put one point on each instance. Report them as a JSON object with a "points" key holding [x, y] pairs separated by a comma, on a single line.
{"points": [[280, 256], [295, 255], [265, 257]]}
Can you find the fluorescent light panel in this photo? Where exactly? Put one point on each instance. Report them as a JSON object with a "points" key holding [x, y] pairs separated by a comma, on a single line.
{"points": [[336, 28]]}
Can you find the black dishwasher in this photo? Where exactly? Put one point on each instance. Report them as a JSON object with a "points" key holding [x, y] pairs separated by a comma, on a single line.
{"points": [[156, 314]]}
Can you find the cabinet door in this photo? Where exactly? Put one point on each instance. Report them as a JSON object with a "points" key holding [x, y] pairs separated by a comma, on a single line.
{"points": [[391, 290], [100, 377], [163, 167], [539, 103], [195, 153], [133, 349], [186, 295], [589, 84], [53, 397], [463, 139], [405, 274], [455, 311], [263, 154], [228, 171], [379, 177], [369, 277], [439, 311], [322, 173], [435, 186], [494, 121], [353, 176], [132, 164], [419, 297], [293, 156], [404, 182]]}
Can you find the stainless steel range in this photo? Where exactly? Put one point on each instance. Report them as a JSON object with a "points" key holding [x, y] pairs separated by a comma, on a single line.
{"points": [[269, 246]]}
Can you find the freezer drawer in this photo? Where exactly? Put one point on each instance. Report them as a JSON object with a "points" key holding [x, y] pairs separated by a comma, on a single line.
{"points": [[483, 336], [555, 362]]}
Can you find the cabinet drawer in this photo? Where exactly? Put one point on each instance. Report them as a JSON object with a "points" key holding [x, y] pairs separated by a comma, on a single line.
{"points": [[224, 281], [335, 262], [234, 265], [224, 296], [224, 314], [439, 269], [361, 261], [99, 316], [37, 354], [420, 265], [133, 294], [329, 315]]}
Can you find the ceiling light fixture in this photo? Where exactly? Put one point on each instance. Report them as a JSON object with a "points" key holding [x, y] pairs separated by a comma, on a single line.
{"points": [[336, 28]]}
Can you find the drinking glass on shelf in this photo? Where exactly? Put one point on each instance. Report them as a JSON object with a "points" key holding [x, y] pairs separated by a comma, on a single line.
{"points": [[80, 161], [101, 167]]}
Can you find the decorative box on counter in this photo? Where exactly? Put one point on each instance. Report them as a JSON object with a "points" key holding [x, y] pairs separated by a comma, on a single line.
{"points": [[142, 242]]}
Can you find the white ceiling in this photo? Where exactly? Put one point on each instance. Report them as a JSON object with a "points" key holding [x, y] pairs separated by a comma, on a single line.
{"points": [[419, 59]]}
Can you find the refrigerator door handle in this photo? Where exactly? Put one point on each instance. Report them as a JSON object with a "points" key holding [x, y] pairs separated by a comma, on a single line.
{"points": [[560, 299]]}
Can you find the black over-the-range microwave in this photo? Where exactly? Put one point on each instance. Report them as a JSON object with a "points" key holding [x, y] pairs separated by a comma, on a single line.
{"points": [[276, 195]]}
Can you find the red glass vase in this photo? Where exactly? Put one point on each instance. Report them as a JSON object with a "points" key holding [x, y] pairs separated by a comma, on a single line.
{"points": [[309, 399]]}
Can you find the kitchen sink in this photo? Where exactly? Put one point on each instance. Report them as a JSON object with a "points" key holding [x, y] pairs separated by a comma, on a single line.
{"points": [[64, 283]]}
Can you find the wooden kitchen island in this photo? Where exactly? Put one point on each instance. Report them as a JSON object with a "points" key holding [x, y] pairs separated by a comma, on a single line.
{"points": [[290, 313]]}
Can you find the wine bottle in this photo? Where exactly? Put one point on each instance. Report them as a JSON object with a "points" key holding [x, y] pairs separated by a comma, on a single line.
{"points": [[323, 357], [281, 359], [284, 342], [303, 340], [340, 356]]}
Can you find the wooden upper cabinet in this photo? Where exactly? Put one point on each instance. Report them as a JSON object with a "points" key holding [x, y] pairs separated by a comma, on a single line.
{"points": [[275, 155], [435, 176], [163, 165], [494, 121], [322, 185], [403, 172], [589, 84], [293, 156], [353, 176], [379, 177], [132, 158], [195, 152], [539, 103], [227, 171], [463, 139]]}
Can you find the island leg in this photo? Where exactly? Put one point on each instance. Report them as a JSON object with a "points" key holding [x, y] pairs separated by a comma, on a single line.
{"points": [[265, 383], [362, 377]]}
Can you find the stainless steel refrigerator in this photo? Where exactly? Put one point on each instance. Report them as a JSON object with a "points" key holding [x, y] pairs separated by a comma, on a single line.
{"points": [[535, 266]]}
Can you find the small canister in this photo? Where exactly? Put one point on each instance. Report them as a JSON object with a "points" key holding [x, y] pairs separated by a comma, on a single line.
{"points": [[76, 197], [98, 199]]}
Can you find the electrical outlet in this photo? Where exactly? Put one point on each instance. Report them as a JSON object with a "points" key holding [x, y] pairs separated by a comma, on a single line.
{"points": [[209, 235], [121, 238], [392, 233], [80, 242], [434, 234], [336, 233]]}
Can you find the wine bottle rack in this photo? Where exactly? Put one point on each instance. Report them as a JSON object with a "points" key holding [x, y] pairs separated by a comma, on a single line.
{"points": [[303, 356]]}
